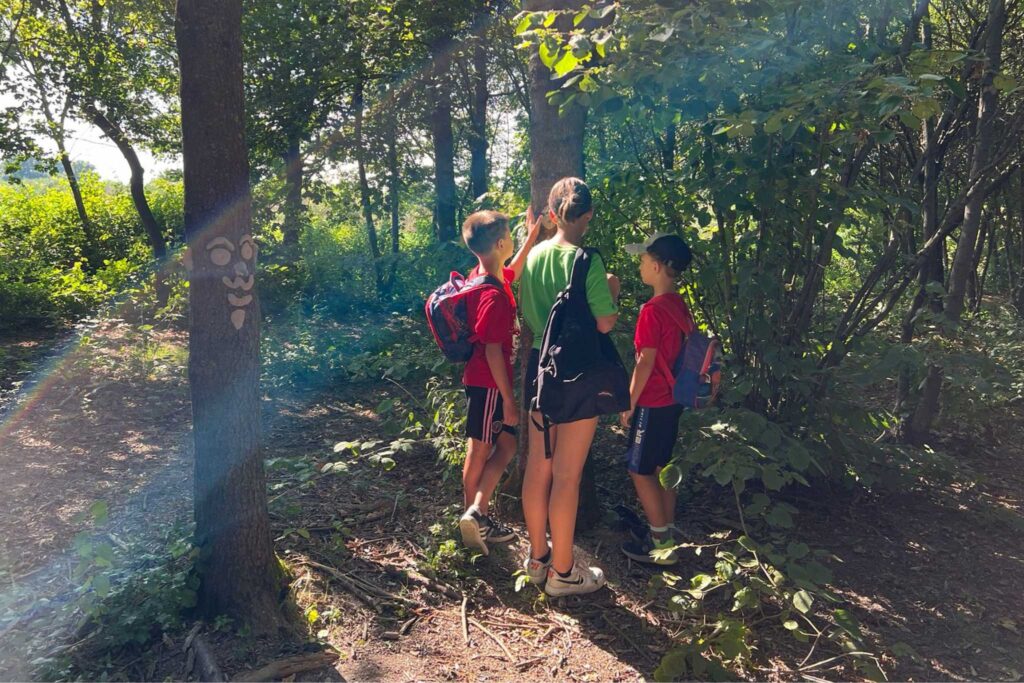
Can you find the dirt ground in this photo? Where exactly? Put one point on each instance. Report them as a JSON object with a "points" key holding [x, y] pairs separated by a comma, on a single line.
{"points": [[935, 574]]}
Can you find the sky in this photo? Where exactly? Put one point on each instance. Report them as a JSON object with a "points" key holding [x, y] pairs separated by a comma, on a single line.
{"points": [[85, 142]]}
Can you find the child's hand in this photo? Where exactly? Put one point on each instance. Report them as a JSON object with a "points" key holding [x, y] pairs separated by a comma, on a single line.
{"points": [[511, 418], [625, 416], [533, 225]]}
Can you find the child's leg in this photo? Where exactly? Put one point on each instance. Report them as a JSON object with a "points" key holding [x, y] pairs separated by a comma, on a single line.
{"points": [[668, 501], [492, 471], [574, 439], [650, 493], [537, 488], [477, 453]]}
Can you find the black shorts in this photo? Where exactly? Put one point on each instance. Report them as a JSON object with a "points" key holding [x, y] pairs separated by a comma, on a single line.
{"points": [[530, 378], [652, 436], [484, 414]]}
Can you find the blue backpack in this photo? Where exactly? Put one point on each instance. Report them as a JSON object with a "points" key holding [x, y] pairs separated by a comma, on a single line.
{"points": [[448, 317], [698, 371]]}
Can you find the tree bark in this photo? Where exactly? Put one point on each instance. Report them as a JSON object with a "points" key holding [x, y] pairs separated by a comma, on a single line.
{"points": [[364, 185], [136, 183], [556, 141], [394, 190], [239, 573], [444, 162], [478, 122], [294, 210], [556, 151]]}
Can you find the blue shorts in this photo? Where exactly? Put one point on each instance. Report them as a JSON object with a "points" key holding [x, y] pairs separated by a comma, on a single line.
{"points": [[652, 436]]}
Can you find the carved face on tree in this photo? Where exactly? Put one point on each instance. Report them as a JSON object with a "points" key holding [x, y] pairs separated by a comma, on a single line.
{"points": [[240, 263]]}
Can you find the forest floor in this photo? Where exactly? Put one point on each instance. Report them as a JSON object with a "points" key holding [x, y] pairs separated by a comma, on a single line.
{"points": [[935, 574]]}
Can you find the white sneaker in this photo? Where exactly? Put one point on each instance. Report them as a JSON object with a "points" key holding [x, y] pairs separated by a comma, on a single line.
{"points": [[579, 581], [535, 569], [474, 528]]}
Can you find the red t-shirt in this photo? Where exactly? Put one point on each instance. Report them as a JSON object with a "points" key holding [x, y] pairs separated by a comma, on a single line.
{"points": [[492, 313], [661, 325]]}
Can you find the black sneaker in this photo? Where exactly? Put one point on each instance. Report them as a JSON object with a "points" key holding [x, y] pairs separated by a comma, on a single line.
{"points": [[475, 528], [497, 532], [641, 551]]}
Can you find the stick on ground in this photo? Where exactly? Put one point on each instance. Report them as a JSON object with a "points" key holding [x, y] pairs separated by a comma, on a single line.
{"points": [[290, 666]]}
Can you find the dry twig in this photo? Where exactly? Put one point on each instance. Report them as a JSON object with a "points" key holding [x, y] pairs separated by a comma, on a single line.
{"points": [[495, 638]]}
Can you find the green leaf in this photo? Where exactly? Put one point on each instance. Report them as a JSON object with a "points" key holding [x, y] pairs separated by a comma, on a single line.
{"points": [[773, 480], [790, 625], [101, 584], [672, 666], [779, 517], [662, 34], [567, 63], [747, 544], [797, 550], [1004, 82], [548, 52], [671, 476], [803, 600], [98, 511], [848, 623], [602, 12]]}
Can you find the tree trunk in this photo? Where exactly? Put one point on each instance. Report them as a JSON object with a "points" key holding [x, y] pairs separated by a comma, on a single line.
{"points": [[394, 189], [556, 142], [444, 161], [294, 210], [240, 576], [364, 185], [92, 253], [963, 260], [137, 185], [478, 122], [556, 151]]}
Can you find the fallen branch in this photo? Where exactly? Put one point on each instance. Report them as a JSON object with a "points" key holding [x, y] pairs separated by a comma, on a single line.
{"points": [[495, 638], [411, 575], [465, 624], [348, 584], [290, 666], [830, 660]]}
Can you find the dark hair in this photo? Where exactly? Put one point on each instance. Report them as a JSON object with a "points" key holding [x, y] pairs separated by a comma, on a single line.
{"points": [[669, 270], [483, 229], [569, 199]]}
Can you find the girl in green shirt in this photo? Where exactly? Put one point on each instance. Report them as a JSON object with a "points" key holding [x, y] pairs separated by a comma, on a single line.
{"points": [[551, 487]]}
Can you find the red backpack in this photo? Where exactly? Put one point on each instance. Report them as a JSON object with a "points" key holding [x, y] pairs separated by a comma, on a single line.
{"points": [[447, 315]]}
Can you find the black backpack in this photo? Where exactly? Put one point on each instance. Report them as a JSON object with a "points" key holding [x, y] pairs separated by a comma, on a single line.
{"points": [[580, 374]]}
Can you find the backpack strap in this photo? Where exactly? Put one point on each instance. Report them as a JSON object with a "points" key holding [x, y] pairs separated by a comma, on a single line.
{"points": [[545, 427], [581, 268], [483, 280]]}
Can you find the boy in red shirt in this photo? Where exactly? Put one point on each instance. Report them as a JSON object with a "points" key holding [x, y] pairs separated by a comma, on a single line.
{"points": [[491, 313], [653, 417]]}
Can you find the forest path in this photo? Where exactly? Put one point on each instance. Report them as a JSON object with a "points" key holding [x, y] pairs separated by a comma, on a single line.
{"points": [[934, 574]]}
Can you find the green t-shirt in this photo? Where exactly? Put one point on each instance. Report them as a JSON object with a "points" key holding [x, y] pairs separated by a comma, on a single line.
{"points": [[547, 272]]}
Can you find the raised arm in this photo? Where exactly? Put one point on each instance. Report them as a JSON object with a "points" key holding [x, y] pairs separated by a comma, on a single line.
{"points": [[532, 233]]}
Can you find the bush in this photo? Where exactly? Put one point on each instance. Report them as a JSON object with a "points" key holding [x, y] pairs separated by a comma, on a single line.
{"points": [[45, 277]]}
